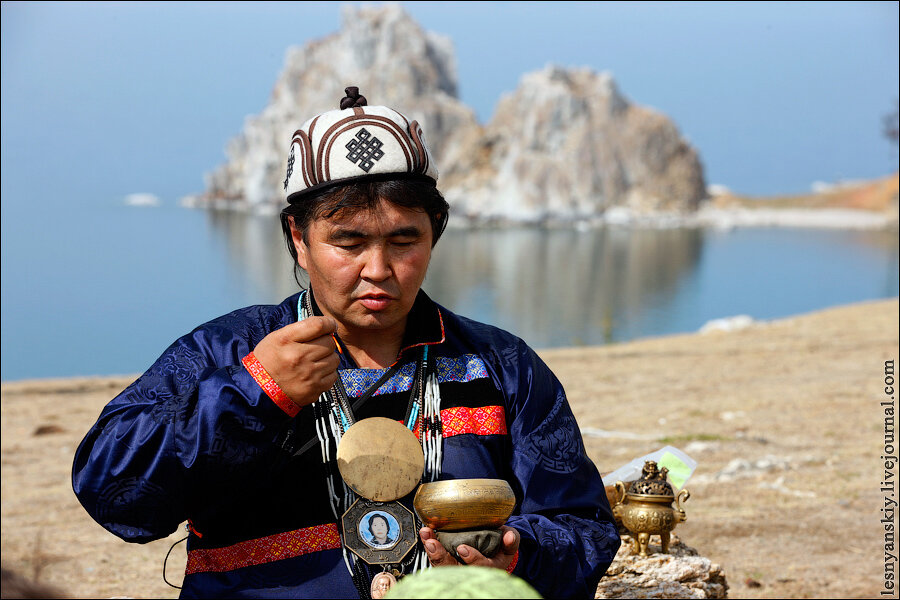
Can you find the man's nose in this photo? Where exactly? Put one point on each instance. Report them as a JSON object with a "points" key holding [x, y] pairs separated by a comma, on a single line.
{"points": [[377, 266]]}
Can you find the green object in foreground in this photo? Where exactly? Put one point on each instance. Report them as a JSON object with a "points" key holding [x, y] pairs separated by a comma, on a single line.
{"points": [[462, 582], [678, 471]]}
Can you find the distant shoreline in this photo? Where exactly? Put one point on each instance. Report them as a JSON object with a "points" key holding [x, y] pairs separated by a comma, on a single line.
{"points": [[852, 205], [93, 383], [709, 216], [861, 205]]}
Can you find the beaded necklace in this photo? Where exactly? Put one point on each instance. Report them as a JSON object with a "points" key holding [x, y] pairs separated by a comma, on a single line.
{"points": [[334, 414]]}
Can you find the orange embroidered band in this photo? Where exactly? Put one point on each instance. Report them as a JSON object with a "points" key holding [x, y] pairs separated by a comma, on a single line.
{"points": [[280, 546], [272, 389], [485, 420]]}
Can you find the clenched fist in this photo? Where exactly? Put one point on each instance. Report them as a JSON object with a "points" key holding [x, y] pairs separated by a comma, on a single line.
{"points": [[301, 358]]}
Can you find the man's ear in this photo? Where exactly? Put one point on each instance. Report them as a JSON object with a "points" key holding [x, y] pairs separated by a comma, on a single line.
{"points": [[299, 245]]}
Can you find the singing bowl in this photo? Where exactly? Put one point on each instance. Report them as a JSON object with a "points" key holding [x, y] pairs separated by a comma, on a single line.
{"points": [[462, 504]]}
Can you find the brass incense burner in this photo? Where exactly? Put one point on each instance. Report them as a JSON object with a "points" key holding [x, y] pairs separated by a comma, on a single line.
{"points": [[645, 509], [466, 511]]}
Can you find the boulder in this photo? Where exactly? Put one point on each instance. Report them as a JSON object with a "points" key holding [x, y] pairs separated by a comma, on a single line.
{"points": [[682, 573], [566, 145]]}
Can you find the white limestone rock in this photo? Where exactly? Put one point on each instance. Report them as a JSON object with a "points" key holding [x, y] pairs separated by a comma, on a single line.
{"points": [[680, 574], [567, 146], [382, 51]]}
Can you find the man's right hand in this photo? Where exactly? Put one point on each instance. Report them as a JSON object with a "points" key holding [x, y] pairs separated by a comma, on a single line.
{"points": [[302, 358]]}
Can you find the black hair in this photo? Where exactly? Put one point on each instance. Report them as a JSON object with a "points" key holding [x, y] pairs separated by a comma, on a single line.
{"points": [[364, 195], [382, 517]]}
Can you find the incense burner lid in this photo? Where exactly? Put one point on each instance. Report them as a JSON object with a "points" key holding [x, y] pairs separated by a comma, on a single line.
{"points": [[652, 482]]}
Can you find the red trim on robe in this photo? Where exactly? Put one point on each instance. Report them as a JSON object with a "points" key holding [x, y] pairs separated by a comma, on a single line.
{"points": [[432, 343], [486, 420], [280, 546], [272, 389]]}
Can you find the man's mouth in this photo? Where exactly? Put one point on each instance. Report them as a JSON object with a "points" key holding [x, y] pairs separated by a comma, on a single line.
{"points": [[376, 301]]}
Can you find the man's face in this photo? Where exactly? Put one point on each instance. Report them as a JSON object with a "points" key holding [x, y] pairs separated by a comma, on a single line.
{"points": [[367, 267]]}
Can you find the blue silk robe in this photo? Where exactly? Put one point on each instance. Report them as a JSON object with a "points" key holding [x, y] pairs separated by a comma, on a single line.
{"points": [[196, 438]]}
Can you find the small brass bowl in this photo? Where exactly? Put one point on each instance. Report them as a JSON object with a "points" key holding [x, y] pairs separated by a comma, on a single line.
{"points": [[462, 504]]}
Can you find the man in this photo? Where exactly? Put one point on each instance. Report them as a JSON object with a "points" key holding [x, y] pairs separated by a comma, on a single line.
{"points": [[381, 584], [234, 428]]}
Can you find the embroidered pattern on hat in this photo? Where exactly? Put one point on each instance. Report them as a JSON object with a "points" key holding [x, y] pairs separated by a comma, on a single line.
{"points": [[365, 149], [290, 167]]}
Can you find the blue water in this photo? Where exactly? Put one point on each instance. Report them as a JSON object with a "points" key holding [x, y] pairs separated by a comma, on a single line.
{"points": [[103, 290]]}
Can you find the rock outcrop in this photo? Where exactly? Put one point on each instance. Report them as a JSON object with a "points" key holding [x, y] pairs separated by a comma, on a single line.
{"points": [[565, 146], [680, 574], [382, 51]]}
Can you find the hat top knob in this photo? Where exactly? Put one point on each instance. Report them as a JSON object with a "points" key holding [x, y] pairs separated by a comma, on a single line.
{"points": [[352, 99]]}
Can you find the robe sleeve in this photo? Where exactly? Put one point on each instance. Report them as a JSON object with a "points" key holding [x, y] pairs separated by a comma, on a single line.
{"points": [[195, 419], [568, 535]]}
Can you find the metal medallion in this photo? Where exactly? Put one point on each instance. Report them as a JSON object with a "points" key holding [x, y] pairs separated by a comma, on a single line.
{"points": [[380, 533], [381, 584]]}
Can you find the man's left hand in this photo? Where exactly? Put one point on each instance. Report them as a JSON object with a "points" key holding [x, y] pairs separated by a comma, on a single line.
{"points": [[439, 556]]}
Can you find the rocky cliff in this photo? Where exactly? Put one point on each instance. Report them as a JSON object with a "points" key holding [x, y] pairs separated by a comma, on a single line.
{"points": [[381, 50], [565, 146]]}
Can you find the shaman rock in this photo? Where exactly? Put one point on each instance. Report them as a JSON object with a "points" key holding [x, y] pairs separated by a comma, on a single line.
{"points": [[564, 146], [680, 574], [383, 52]]}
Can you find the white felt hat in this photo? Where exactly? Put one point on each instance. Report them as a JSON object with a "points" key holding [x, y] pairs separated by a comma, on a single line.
{"points": [[355, 143]]}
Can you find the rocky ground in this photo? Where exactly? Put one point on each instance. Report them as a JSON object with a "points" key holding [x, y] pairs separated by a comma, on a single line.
{"points": [[679, 573], [783, 418]]}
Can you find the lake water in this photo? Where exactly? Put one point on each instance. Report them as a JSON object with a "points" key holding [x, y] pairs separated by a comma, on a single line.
{"points": [[104, 290]]}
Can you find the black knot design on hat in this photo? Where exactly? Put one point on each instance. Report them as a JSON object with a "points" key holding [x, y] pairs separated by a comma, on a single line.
{"points": [[352, 98]]}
